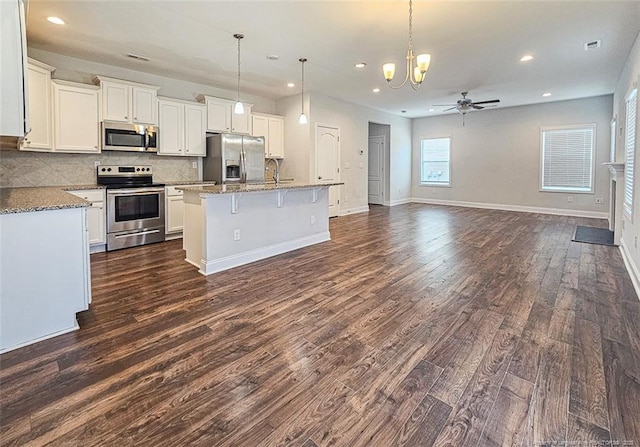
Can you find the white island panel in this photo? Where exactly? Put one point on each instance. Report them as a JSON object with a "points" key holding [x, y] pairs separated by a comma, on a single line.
{"points": [[227, 230]]}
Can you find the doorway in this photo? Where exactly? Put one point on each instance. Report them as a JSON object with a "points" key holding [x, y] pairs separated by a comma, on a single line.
{"points": [[378, 175], [328, 163]]}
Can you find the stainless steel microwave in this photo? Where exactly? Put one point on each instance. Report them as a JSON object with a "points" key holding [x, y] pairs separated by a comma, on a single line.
{"points": [[129, 137]]}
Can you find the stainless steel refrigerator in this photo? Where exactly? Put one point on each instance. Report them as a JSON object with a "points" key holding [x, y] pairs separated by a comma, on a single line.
{"points": [[233, 158]]}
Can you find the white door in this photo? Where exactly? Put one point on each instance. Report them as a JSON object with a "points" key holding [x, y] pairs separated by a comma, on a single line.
{"points": [[328, 164], [376, 169]]}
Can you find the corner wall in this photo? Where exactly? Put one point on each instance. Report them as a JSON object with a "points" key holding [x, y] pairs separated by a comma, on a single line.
{"points": [[496, 157]]}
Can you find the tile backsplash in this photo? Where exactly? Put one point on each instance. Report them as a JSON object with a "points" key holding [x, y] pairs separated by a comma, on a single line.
{"points": [[19, 169]]}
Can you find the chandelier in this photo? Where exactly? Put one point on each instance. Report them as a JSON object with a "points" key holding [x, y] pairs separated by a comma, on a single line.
{"points": [[417, 66]]}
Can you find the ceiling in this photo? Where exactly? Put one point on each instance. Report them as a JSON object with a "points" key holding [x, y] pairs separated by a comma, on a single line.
{"points": [[475, 45]]}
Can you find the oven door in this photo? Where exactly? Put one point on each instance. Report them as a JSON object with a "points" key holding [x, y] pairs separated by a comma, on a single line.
{"points": [[134, 209]]}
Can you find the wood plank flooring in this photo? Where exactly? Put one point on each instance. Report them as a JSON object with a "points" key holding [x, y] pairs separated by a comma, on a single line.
{"points": [[415, 325]]}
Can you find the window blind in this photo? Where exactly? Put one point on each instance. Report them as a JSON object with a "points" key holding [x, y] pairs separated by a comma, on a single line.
{"points": [[567, 159], [630, 146]]}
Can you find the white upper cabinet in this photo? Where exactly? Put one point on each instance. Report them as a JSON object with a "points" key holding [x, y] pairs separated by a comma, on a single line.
{"points": [[182, 128], [128, 102], [271, 127], [40, 138], [14, 113], [220, 116], [75, 117]]}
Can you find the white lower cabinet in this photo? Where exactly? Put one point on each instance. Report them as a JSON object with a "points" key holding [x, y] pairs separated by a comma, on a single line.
{"points": [[174, 210], [96, 216]]}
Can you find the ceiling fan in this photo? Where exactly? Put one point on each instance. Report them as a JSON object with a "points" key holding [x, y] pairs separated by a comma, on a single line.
{"points": [[465, 105]]}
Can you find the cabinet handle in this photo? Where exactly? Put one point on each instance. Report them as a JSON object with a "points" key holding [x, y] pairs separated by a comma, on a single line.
{"points": [[135, 118], [126, 117], [319, 177]]}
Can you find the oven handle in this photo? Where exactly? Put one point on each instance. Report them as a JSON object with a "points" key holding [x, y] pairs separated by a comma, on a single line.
{"points": [[120, 236], [136, 191]]}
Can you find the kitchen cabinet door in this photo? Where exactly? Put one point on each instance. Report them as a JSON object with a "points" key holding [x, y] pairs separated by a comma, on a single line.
{"points": [[276, 137], [115, 101], [242, 123], [195, 130], [174, 214], [75, 118], [96, 214], [171, 128], [219, 114], [144, 105], [40, 138]]}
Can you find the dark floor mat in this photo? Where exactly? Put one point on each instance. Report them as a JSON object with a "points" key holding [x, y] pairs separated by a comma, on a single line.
{"points": [[593, 235]]}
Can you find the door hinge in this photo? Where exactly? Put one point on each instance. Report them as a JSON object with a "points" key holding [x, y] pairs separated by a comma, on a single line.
{"points": [[338, 201]]}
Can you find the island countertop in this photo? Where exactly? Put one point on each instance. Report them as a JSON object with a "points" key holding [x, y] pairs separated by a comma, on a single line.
{"points": [[253, 187], [25, 200]]}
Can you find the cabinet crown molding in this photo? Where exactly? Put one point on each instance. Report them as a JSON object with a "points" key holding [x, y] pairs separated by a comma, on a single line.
{"points": [[203, 98], [97, 79], [41, 65], [182, 101], [75, 84]]}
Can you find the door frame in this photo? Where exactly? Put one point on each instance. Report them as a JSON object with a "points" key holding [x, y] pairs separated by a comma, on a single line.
{"points": [[314, 167]]}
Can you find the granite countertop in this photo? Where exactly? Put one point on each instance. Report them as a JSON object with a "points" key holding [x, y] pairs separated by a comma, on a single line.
{"points": [[254, 187], [189, 182], [25, 200]]}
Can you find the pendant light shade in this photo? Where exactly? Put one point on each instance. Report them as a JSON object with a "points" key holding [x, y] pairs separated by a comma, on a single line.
{"points": [[239, 107], [303, 117]]}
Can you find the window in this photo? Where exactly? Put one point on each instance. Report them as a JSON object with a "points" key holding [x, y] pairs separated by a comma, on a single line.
{"points": [[435, 161], [629, 150], [567, 158]]}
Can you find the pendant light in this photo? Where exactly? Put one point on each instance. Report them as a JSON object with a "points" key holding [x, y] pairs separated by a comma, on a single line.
{"points": [[239, 108], [417, 66], [303, 117]]}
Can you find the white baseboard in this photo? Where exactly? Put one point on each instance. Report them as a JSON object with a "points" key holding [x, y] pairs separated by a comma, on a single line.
{"points": [[634, 273], [522, 209], [236, 260], [398, 202], [97, 248], [172, 236], [75, 327], [359, 209]]}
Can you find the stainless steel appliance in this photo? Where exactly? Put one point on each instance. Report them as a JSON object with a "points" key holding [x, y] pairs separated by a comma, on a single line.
{"points": [[233, 158], [129, 137], [135, 206]]}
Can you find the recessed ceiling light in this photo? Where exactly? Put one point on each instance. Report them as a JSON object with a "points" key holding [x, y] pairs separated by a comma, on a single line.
{"points": [[56, 20], [526, 58], [403, 111], [376, 90], [361, 65], [432, 110], [290, 84], [273, 57], [546, 94]]}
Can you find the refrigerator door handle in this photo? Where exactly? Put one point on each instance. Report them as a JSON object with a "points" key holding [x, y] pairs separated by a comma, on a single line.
{"points": [[243, 166]]}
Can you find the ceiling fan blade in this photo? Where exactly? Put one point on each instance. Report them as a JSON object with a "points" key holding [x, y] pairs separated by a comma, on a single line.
{"points": [[477, 107], [487, 102], [443, 105], [451, 108]]}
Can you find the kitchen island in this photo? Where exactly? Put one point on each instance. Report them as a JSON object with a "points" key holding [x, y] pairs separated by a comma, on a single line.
{"points": [[44, 264], [226, 226]]}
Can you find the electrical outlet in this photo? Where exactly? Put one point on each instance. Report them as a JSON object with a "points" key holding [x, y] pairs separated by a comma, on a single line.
{"points": [[194, 165], [236, 234], [570, 199], [96, 163], [313, 220], [599, 201]]}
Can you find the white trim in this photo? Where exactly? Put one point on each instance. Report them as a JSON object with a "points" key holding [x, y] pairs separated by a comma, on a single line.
{"points": [[436, 184], [398, 202], [518, 208], [75, 327], [358, 209], [634, 273], [236, 260]]}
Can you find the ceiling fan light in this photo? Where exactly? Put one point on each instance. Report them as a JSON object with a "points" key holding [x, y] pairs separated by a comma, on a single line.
{"points": [[239, 108], [423, 62], [302, 119], [389, 70]]}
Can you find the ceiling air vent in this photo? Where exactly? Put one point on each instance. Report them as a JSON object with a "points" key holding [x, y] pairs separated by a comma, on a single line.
{"points": [[592, 45], [137, 57]]}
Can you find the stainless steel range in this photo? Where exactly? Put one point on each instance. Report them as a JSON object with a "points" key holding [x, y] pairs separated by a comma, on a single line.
{"points": [[135, 206]]}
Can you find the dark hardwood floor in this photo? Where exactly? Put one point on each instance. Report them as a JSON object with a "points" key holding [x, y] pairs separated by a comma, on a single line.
{"points": [[414, 326]]}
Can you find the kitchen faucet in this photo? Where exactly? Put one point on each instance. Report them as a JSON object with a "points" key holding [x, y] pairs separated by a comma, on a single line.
{"points": [[276, 171]]}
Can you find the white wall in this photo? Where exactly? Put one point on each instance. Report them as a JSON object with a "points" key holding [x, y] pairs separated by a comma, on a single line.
{"points": [[629, 77], [353, 121], [496, 155]]}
